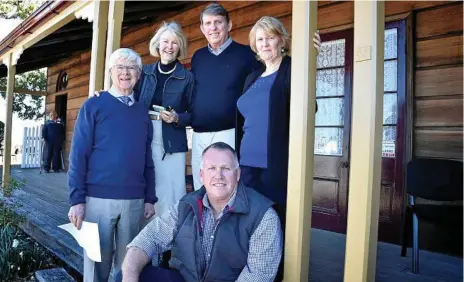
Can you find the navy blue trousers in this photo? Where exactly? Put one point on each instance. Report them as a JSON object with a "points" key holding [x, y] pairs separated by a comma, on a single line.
{"points": [[53, 153], [156, 274], [258, 179]]}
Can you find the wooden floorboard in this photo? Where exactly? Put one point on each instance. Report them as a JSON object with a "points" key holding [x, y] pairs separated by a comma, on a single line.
{"points": [[45, 201]]}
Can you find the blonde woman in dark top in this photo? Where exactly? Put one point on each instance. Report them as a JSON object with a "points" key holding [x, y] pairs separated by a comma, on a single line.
{"points": [[263, 117]]}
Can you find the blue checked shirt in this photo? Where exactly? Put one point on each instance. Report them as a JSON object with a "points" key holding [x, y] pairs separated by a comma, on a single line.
{"points": [[221, 48], [264, 252]]}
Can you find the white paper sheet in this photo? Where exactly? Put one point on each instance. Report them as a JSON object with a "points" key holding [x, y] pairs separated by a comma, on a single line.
{"points": [[88, 238]]}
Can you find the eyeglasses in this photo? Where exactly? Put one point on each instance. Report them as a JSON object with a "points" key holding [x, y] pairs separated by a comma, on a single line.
{"points": [[122, 68]]}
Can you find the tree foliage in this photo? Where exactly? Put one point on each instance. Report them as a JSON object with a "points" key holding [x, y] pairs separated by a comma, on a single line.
{"points": [[18, 9], [26, 106]]}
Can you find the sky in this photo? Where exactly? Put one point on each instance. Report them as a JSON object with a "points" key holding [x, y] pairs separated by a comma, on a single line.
{"points": [[18, 125]]}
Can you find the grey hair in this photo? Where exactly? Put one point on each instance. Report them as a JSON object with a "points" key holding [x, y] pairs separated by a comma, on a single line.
{"points": [[176, 30], [220, 146], [125, 54], [215, 9]]}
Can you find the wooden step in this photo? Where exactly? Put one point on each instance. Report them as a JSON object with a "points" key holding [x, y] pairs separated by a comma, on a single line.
{"points": [[53, 275], [42, 220]]}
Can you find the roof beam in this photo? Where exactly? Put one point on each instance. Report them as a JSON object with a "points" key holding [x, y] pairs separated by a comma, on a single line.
{"points": [[64, 17], [81, 35], [25, 91]]}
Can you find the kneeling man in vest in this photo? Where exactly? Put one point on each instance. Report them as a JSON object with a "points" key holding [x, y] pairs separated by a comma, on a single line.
{"points": [[222, 232]]}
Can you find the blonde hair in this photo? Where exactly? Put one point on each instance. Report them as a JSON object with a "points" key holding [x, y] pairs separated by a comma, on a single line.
{"points": [[176, 30], [272, 26]]}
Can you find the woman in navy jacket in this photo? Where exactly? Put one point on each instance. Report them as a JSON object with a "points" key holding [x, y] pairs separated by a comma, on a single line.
{"points": [[263, 116], [169, 85]]}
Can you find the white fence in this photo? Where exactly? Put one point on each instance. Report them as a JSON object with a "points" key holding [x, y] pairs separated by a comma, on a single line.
{"points": [[32, 147]]}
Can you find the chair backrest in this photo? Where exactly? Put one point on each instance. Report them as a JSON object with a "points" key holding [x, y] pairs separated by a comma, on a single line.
{"points": [[434, 179]]}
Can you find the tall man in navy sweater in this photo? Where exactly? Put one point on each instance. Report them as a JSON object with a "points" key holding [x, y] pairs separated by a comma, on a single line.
{"points": [[111, 171], [220, 70]]}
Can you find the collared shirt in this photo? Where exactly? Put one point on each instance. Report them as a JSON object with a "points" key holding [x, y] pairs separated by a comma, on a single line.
{"points": [[117, 94], [264, 253], [221, 48]]}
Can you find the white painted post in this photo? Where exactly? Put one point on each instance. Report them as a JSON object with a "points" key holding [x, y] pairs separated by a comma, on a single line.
{"points": [[27, 150], [29, 147], [23, 154], [32, 146], [301, 143], [8, 61], [97, 58], [115, 17], [366, 142], [36, 147]]}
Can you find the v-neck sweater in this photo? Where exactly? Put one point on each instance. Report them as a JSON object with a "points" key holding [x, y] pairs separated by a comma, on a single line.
{"points": [[219, 81], [110, 154]]}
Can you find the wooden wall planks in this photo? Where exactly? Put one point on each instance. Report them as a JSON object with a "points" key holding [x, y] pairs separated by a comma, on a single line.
{"points": [[438, 58], [438, 83]]}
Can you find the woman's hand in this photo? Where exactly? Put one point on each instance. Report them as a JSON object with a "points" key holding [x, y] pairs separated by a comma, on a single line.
{"points": [[317, 41], [97, 93], [169, 116]]}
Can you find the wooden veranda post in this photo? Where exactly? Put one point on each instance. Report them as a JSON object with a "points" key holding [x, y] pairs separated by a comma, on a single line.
{"points": [[301, 147], [8, 61], [366, 141], [97, 60], [115, 17]]}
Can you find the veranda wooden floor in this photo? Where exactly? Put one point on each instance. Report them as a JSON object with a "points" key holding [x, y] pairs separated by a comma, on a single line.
{"points": [[44, 202]]}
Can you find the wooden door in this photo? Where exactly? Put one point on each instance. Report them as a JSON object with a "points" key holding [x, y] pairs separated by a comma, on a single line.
{"points": [[332, 131], [392, 194]]}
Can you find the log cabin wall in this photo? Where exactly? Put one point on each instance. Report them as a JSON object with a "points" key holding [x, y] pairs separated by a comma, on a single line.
{"points": [[438, 82], [78, 71], [438, 70]]}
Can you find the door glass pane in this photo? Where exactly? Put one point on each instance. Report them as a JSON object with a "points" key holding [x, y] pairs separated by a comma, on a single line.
{"points": [[332, 54], [390, 103], [388, 141], [391, 44], [390, 75], [328, 141], [330, 82], [330, 111]]}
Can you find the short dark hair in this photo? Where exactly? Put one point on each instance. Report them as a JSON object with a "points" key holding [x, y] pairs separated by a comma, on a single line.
{"points": [[220, 146], [215, 9]]}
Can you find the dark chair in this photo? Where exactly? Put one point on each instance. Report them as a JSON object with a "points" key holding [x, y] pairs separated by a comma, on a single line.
{"points": [[436, 180]]}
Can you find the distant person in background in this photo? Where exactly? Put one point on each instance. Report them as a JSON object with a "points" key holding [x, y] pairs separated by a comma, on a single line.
{"points": [[53, 136]]}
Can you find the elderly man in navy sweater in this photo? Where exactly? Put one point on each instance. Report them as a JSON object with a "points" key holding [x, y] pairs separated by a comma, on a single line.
{"points": [[111, 171], [220, 70]]}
